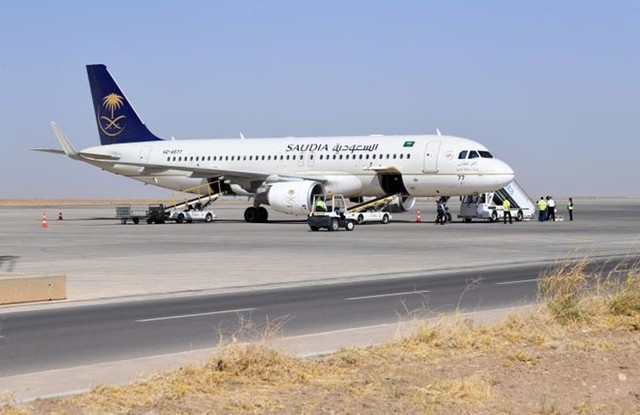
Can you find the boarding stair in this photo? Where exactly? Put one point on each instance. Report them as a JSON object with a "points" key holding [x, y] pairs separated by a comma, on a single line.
{"points": [[206, 194]]}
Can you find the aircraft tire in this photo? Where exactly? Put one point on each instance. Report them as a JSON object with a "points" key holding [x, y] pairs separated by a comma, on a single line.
{"points": [[251, 214], [263, 214]]}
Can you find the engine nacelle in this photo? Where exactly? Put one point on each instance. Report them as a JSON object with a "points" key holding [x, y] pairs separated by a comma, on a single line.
{"points": [[406, 203], [403, 204], [294, 198]]}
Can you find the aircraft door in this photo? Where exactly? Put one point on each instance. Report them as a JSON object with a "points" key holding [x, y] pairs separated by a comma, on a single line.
{"points": [[144, 154], [431, 157]]}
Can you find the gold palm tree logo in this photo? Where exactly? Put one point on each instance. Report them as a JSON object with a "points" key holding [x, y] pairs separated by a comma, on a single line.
{"points": [[112, 102], [110, 125]]}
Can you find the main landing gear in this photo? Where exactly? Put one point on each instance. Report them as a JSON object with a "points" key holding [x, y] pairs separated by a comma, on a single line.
{"points": [[256, 214]]}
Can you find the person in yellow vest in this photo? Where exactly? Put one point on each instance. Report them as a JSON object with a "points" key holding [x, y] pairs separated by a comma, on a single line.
{"points": [[542, 210], [506, 210], [321, 206], [570, 208]]}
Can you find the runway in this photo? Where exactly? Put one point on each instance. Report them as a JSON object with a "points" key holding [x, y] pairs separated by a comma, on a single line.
{"points": [[146, 290], [101, 333]]}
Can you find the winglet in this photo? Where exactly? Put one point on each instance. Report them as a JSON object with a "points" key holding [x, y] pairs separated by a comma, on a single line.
{"points": [[67, 147]]}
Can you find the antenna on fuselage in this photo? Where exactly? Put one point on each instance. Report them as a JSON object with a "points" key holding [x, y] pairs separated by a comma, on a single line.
{"points": [[438, 131], [241, 136], [173, 138]]}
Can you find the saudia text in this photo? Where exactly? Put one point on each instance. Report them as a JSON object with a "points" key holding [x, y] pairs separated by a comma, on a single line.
{"points": [[338, 148]]}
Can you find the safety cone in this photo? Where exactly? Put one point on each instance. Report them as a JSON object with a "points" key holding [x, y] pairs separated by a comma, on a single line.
{"points": [[418, 217], [44, 220], [59, 214]]}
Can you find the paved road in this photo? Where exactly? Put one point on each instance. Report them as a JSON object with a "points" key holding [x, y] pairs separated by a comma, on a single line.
{"points": [[39, 340]]}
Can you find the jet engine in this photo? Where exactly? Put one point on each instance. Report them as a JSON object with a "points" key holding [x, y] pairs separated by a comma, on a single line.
{"points": [[406, 203], [295, 197]]}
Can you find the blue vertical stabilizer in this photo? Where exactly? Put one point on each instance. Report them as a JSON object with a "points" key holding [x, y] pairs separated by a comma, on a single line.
{"points": [[116, 118]]}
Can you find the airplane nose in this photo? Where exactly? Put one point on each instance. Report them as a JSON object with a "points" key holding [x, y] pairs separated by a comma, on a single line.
{"points": [[504, 172]]}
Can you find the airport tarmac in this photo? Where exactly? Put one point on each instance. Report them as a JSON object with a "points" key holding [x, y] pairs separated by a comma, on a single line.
{"points": [[104, 259]]}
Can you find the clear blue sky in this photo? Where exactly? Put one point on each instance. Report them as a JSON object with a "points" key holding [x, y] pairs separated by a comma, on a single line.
{"points": [[551, 87]]}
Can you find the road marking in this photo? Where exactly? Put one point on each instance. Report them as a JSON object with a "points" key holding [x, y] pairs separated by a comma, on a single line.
{"points": [[386, 295], [516, 282], [211, 313]]}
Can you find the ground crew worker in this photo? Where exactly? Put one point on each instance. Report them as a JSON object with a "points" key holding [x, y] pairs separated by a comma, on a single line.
{"points": [[542, 209], [570, 208], [551, 209], [321, 206], [506, 210], [440, 208]]}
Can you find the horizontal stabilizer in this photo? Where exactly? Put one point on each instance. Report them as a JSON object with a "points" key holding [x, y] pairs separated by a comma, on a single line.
{"points": [[49, 150], [96, 156]]}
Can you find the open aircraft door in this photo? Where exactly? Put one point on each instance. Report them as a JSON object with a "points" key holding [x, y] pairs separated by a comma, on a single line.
{"points": [[431, 157]]}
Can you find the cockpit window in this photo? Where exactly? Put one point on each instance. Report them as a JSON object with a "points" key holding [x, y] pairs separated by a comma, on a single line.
{"points": [[462, 155], [473, 154], [485, 155]]}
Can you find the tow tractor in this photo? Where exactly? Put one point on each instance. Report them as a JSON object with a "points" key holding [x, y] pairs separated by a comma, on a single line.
{"points": [[334, 217]]}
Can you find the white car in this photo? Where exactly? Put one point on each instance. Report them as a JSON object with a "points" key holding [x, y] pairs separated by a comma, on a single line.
{"points": [[372, 216], [192, 216]]}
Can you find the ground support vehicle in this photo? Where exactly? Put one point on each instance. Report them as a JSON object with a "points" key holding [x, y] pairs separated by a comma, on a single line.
{"points": [[128, 213], [192, 215], [157, 214], [488, 206], [334, 217], [373, 210]]}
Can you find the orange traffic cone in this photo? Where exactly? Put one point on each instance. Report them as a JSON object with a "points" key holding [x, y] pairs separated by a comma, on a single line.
{"points": [[44, 220], [418, 217], [59, 214]]}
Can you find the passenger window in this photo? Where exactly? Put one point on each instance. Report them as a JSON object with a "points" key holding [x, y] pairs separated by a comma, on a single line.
{"points": [[401, 155], [394, 156], [366, 156], [340, 156], [473, 155], [462, 155], [174, 159], [387, 156], [250, 158], [168, 158], [334, 156], [281, 157], [360, 157], [408, 156], [373, 156]]}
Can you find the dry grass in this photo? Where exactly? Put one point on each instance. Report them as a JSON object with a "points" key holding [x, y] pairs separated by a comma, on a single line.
{"points": [[525, 363]]}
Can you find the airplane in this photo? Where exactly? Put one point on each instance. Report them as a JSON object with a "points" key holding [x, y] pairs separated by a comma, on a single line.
{"points": [[283, 173]]}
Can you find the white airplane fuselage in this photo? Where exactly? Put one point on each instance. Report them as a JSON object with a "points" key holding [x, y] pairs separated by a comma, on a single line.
{"points": [[427, 165]]}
